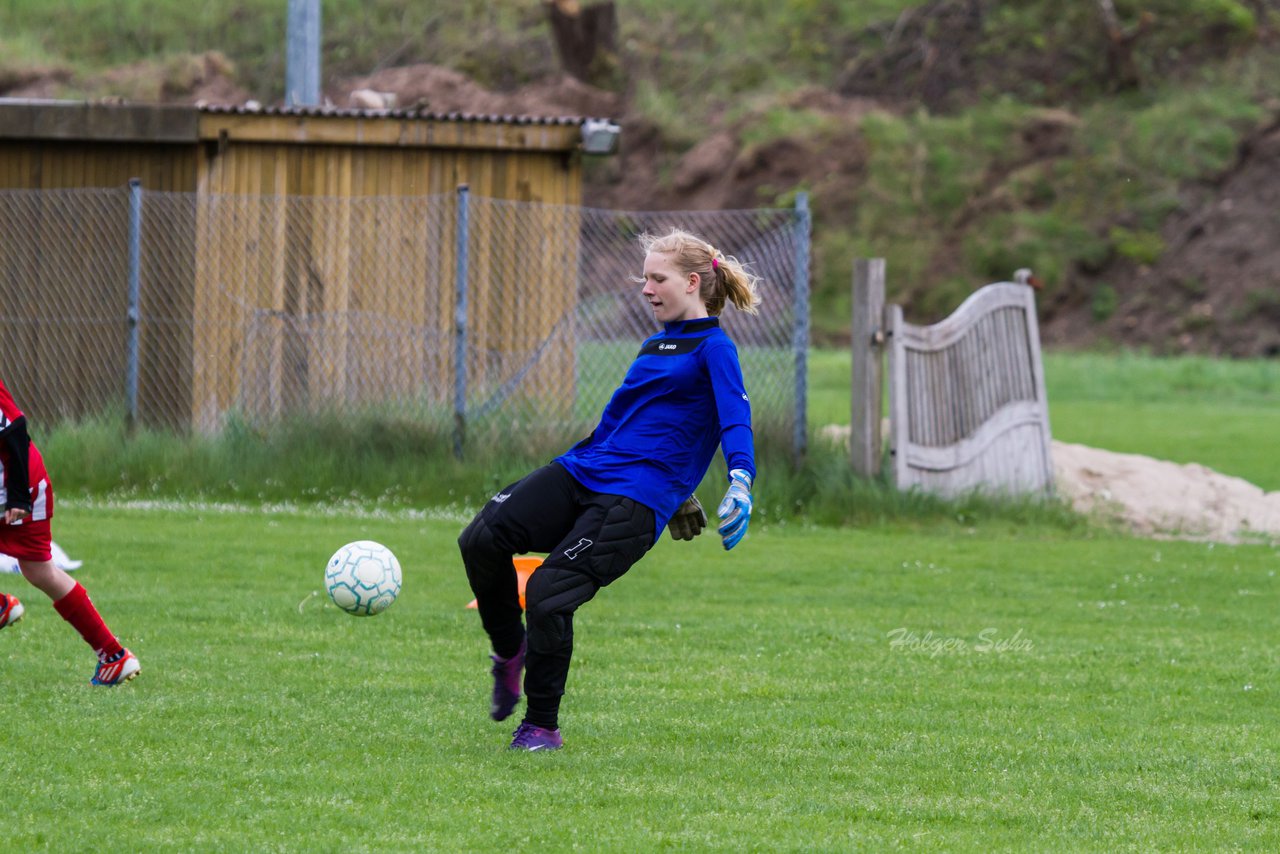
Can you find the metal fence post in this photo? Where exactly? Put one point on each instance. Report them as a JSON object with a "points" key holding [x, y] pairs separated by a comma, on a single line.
{"points": [[800, 339], [460, 322], [135, 284], [302, 54]]}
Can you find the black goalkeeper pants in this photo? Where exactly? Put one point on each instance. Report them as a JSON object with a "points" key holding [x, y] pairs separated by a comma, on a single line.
{"points": [[590, 538]]}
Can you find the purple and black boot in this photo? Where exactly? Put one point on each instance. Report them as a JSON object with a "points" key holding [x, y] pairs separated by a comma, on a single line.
{"points": [[506, 683], [530, 737]]}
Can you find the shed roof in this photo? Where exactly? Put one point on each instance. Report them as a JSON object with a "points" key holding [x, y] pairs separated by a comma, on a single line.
{"points": [[348, 112], [163, 123]]}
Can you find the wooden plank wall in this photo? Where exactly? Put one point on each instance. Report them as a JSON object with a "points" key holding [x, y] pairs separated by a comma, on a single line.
{"points": [[364, 251], [968, 408], [52, 165]]}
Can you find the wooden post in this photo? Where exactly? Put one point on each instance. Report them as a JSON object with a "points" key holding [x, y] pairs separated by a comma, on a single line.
{"points": [[867, 348]]}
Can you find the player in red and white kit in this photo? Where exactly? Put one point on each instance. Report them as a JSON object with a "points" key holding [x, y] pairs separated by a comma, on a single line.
{"points": [[26, 534]]}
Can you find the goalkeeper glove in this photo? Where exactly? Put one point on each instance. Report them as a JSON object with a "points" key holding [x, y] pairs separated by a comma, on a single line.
{"points": [[735, 509], [688, 521]]}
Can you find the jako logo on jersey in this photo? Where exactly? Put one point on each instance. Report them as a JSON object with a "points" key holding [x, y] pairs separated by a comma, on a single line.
{"points": [[744, 397], [666, 346], [572, 551], [501, 497]]}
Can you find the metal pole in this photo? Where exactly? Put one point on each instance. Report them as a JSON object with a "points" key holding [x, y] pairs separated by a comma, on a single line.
{"points": [[302, 54], [135, 283], [800, 338], [460, 322]]}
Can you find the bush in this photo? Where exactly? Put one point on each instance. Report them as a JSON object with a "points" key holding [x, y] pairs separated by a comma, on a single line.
{"points": [[1104, 302], [1141, 247]]}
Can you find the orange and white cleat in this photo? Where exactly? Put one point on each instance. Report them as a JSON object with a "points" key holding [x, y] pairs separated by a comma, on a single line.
{"points": [[11, 610], [117, 670]]}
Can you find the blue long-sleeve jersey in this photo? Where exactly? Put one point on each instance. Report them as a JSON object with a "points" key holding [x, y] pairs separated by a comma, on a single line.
{"points": [[682, 396]]}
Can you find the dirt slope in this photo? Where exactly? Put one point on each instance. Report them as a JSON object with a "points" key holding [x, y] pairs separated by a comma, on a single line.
{"points": [[1216, 288]]}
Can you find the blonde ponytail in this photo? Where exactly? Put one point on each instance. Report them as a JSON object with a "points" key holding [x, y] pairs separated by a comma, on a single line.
{"points": [[724, 278]]}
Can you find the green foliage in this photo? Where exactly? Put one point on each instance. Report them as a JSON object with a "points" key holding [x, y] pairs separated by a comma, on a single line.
{"points": [[702, 51], [1186, 134], [662, 107], [780, 122], [497, 43], [933, 166], [905, 174], [1142, 247], [1044, 241], [20, 52], [1265, 301], [1104, 302], [1174, 34], [1229, 16]]}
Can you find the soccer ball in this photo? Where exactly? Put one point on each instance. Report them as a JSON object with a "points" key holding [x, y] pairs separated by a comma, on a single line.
{"points": [[363, 578]]}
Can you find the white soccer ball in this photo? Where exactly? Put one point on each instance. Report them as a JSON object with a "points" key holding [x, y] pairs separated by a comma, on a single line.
{"points": [[363, 578]]}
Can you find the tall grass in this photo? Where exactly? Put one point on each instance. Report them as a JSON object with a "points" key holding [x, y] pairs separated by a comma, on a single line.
{"points": [[323, 459], [1218, 413], [1188, 410], [374, 463]]}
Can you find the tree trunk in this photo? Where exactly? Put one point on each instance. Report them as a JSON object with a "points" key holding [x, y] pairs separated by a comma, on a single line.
{"points": [[1122, 66], [586, 39]]}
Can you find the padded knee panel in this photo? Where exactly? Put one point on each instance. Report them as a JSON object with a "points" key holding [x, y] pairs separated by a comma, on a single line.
{"points": [[480, 551], [475, 536], [551, 597]]}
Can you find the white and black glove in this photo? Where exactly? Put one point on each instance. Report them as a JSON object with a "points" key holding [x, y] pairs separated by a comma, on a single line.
{"points": [[688, 521]]}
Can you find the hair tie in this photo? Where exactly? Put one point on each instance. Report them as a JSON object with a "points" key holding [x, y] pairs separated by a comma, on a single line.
{"points": [[715, 263]]}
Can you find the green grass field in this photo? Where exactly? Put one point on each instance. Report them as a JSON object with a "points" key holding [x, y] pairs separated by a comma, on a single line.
{"points": [[816, 689], [1217, 413]]}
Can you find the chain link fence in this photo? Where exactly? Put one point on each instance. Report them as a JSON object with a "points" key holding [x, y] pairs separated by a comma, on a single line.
{"points": [[179, 311]]}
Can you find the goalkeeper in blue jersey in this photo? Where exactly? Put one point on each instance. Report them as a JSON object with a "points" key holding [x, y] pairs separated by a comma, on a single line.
{"points": [[596, 509]]}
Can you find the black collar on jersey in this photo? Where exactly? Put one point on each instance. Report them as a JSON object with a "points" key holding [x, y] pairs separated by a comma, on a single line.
{"points": [[700, 324], [667, 344]]}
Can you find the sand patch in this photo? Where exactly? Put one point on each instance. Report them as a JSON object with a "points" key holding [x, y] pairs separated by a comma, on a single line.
{"points": [[1153, 498], [1159, 498]]}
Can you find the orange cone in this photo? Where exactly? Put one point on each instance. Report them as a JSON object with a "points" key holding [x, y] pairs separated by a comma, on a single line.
{"points": [[524, 568]]}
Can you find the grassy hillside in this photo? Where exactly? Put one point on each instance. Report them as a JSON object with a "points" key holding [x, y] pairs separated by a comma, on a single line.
{"points": [[959, 139], [716, 48]]}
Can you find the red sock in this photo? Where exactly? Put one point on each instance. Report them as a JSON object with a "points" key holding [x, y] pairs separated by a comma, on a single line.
{"points": [[77, 610]]}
